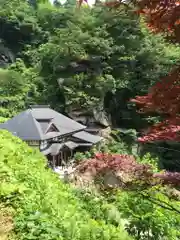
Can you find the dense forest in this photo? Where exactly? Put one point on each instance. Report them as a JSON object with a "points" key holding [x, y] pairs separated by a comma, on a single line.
{"points": [[93, 60]]}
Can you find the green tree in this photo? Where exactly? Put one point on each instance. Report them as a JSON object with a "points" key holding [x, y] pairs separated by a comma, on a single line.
{"points": [[18, 24], [96, 55]]}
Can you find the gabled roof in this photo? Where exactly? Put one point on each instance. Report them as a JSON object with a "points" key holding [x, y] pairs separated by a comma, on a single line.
{"points": [[55, 148], [24, 126], [71, 145], [33, 123], [85, 136]]}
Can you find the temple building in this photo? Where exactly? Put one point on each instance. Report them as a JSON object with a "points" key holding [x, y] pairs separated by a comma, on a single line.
{"points": [[57, 136]]}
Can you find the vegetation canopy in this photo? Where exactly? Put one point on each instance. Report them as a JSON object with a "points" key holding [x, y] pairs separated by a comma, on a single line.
{"points": [[42, 206]]}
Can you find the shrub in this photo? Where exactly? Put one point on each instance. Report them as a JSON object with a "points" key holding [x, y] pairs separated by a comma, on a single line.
{"points": [[45, 208], [2, 119], [148, 215], [81, 156]]}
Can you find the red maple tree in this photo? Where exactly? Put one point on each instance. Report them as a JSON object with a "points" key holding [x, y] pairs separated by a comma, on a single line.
{"points": [[139, 174], [164, 97], [162, 15]]}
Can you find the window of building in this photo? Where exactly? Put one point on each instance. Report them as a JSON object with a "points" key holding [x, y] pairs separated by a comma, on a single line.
{"points": [[52, 128], [43, 144], [55, 139], [33, 143]]}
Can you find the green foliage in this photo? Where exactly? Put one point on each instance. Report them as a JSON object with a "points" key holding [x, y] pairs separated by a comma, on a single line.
{"points": [[78, 56], [79, 156], [2, 119], [18, 23], [44, 207], [149, 213], [12, 91], [147, 159], [74, 55], [84, 58], [98, 206], [113, 146], [142, 213], [91, 52], [11, 82], [153, 58], [146, 219], [17, 89], [121, 142], [127, 137], [167, 154], [6, 54]]}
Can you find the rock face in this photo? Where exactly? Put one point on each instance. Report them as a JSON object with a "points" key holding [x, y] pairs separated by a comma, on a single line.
{"points": [[110, 179], [96, 121], [105, 132], [83, 180], [6, 56], [101, 117]]}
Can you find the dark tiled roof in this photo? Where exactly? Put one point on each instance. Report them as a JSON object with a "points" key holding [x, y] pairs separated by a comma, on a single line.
{"points": [[85, 144], [46, 151], [24, 126], [44, 125], [55, 148], [28, 124], [71, 145], [85, 136]]}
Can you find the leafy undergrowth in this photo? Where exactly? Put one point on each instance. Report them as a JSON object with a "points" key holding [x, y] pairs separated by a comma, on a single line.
{"points": [[141, 217], [41, 206]]}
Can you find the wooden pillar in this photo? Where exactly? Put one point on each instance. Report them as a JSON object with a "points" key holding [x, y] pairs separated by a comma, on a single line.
{"points": [[62, 158], [71, 153], [54, 161], [57, 160], [65, 157]]}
